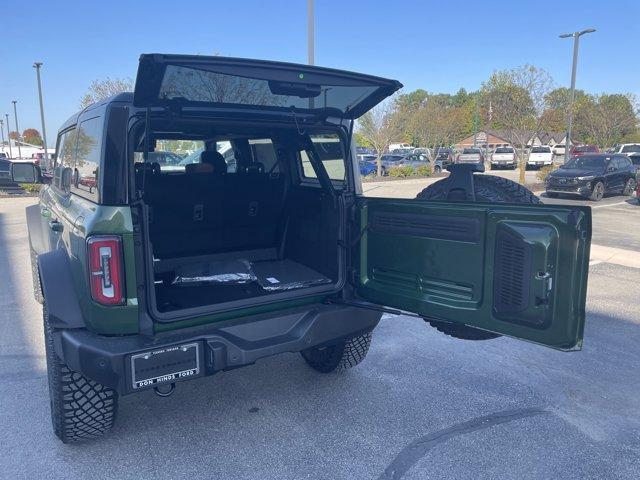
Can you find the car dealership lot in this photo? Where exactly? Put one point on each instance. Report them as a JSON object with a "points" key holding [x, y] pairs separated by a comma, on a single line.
{"points": [[421, 405]]}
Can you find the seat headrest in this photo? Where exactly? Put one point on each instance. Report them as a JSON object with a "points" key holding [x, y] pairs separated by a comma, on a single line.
{"points": [[256, 167], [215, 159], [198, 168]]}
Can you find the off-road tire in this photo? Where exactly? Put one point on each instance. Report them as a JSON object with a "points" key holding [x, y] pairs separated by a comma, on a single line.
{"points": [[437, 169], [629, 188], [487, 188], [35, 275], [597, 193], [80, 408], [339, 357]]}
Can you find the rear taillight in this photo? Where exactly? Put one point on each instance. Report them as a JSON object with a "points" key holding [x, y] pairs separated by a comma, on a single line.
{"points": [[106, 271]]}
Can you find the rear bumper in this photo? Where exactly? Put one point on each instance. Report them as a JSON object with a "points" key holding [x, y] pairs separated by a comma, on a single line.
{"points": [[107, 360]]}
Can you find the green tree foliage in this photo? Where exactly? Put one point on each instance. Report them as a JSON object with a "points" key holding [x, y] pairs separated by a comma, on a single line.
{"points": [[379, 128], [605, 119], [518, 98], [32, 137]]}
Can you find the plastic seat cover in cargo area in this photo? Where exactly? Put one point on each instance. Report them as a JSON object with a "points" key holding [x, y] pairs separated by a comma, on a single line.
{"points": [[272, 275]]}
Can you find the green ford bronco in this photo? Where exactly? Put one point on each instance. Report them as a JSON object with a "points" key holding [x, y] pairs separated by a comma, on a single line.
{"points": [[215, 216]]}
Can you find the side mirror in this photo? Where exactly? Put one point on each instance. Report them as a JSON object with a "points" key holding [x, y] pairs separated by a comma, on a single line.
{"points": [[25, 173]]}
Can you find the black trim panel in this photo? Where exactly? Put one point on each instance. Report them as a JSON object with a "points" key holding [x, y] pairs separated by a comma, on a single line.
{"points": [[59, 291], [428, 226]]}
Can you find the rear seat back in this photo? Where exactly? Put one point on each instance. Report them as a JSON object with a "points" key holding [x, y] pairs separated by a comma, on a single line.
{"points": [[198, 213]]}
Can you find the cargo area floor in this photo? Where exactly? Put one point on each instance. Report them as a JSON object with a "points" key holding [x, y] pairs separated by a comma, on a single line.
{"points": [[271, 276]]}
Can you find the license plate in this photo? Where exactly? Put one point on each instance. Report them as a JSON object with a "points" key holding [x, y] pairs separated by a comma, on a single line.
{"points": [[166, 365]]}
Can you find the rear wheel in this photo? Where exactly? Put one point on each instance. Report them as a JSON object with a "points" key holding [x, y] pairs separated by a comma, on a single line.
{"points": [[598, 192], [437, 169], [487, 188], [80, 408], [338, 357], [629, 187]]}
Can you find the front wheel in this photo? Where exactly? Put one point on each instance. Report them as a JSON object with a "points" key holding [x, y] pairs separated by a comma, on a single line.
{"points": [[598, 192], [437, 169], [487, 188], [341, 356], [80, 408]]}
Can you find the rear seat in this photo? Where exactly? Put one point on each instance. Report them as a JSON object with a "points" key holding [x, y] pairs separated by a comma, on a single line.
{"points": [[199, 213]]}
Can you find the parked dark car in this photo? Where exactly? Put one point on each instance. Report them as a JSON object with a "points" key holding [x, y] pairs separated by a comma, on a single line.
{"points": [[582, 149], [416, 160], [364, 151], [390, 160], [367, 165], [592, 176], [5, 168], [445, 155]]}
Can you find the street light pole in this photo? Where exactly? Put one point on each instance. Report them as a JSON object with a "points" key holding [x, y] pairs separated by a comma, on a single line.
{"points": [[572, 92], [37, 66], [15, 117], [310, 33], [9, 135], [2, 131]]}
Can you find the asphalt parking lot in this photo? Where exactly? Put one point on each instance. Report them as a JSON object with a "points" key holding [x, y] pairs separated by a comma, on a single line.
{"points": [[421, 405]]}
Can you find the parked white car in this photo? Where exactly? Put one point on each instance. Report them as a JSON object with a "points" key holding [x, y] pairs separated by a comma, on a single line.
{"points": [[503, 157], [558, 149], [628, 149], [399, 146], [541, 156]]}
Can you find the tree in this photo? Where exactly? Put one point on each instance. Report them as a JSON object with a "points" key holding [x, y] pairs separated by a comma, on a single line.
{"points": [[13, 135], [379, 127], [101, 89], [518, 98], [605, 119], [32, 137], [438, 122], [360, 140]]}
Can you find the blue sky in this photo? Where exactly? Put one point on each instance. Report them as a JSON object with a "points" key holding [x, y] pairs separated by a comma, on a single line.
{"points": [[436, 45]]}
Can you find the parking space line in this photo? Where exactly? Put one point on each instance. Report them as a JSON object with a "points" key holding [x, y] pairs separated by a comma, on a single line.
{"points": [[611, 205]]}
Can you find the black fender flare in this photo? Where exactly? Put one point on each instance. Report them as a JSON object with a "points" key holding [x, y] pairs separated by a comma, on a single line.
{"points": [[37, 240], [59, 291]]}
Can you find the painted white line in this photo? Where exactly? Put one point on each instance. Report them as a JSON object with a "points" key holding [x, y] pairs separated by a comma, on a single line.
{"points": [[610, 205], [594, 262]]}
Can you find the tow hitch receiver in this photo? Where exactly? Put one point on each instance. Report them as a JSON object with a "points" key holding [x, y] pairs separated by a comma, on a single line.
{"points": [[165, 366]]}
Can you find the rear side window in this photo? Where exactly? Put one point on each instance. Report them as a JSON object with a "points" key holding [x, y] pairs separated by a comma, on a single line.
{"points": [[624, 162], [264, 152], [65, 160], [329, 150], [86, 168]]}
